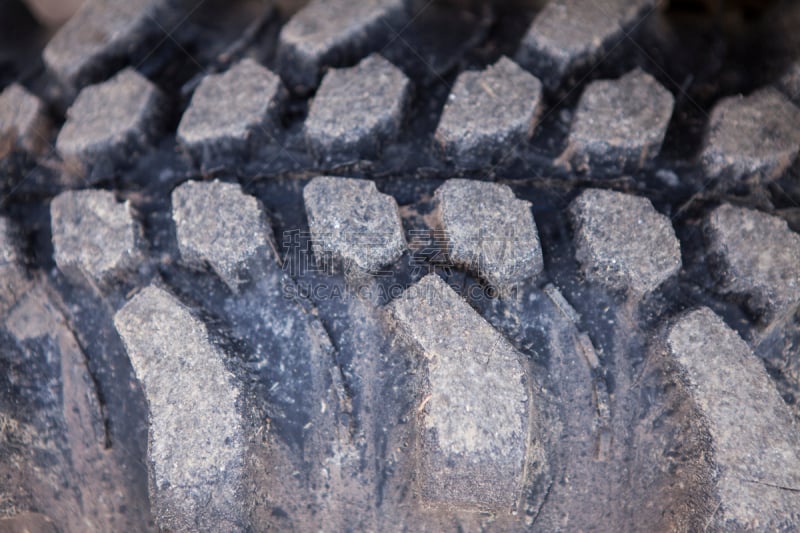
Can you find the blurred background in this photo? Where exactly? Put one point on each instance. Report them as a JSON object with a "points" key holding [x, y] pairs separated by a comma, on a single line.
{"points": [[53, 13]]}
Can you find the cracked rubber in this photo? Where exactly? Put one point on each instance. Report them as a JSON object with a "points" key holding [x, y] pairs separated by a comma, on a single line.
{"points": [[400, 266]]}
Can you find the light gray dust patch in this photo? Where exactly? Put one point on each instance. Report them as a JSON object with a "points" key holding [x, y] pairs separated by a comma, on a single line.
{"points": [[619, 124], [95, 238], [101, 33], [757, 256], [752, 439], [489, 231], [488, 112], [354, 223], [751, 136], [622, 241], [24, 124], [568, 35], [197, 445], [219, 225], [357, 110], [109, 124], [332, 33], [231, 112], [473, 410]]}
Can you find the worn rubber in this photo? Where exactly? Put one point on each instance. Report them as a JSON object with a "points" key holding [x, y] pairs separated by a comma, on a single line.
{"points": [[399, 266]]}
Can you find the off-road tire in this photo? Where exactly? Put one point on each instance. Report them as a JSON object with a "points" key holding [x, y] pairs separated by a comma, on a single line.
{"points": [[236, 294]]}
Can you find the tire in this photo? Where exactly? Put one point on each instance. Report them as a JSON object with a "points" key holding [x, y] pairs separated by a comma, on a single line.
{"points": [[389, 265]]}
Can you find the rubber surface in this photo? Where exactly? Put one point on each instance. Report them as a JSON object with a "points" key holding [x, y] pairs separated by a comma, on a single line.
{"points": [[387, 266]]}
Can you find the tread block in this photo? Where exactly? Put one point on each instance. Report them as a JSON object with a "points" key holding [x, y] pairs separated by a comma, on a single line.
{"points": [[353, 223], [473, 415], [757, 256], [751, 137], [357, 110], [95, 238], [230, 113], [752, 441], [489, 231], [334, 33], [622, 241], [619, 125], [58, 414], [489, 112], [569, 35], [197, 444], [101, 34], [219, 225], [109, 124], [24, 124]]}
